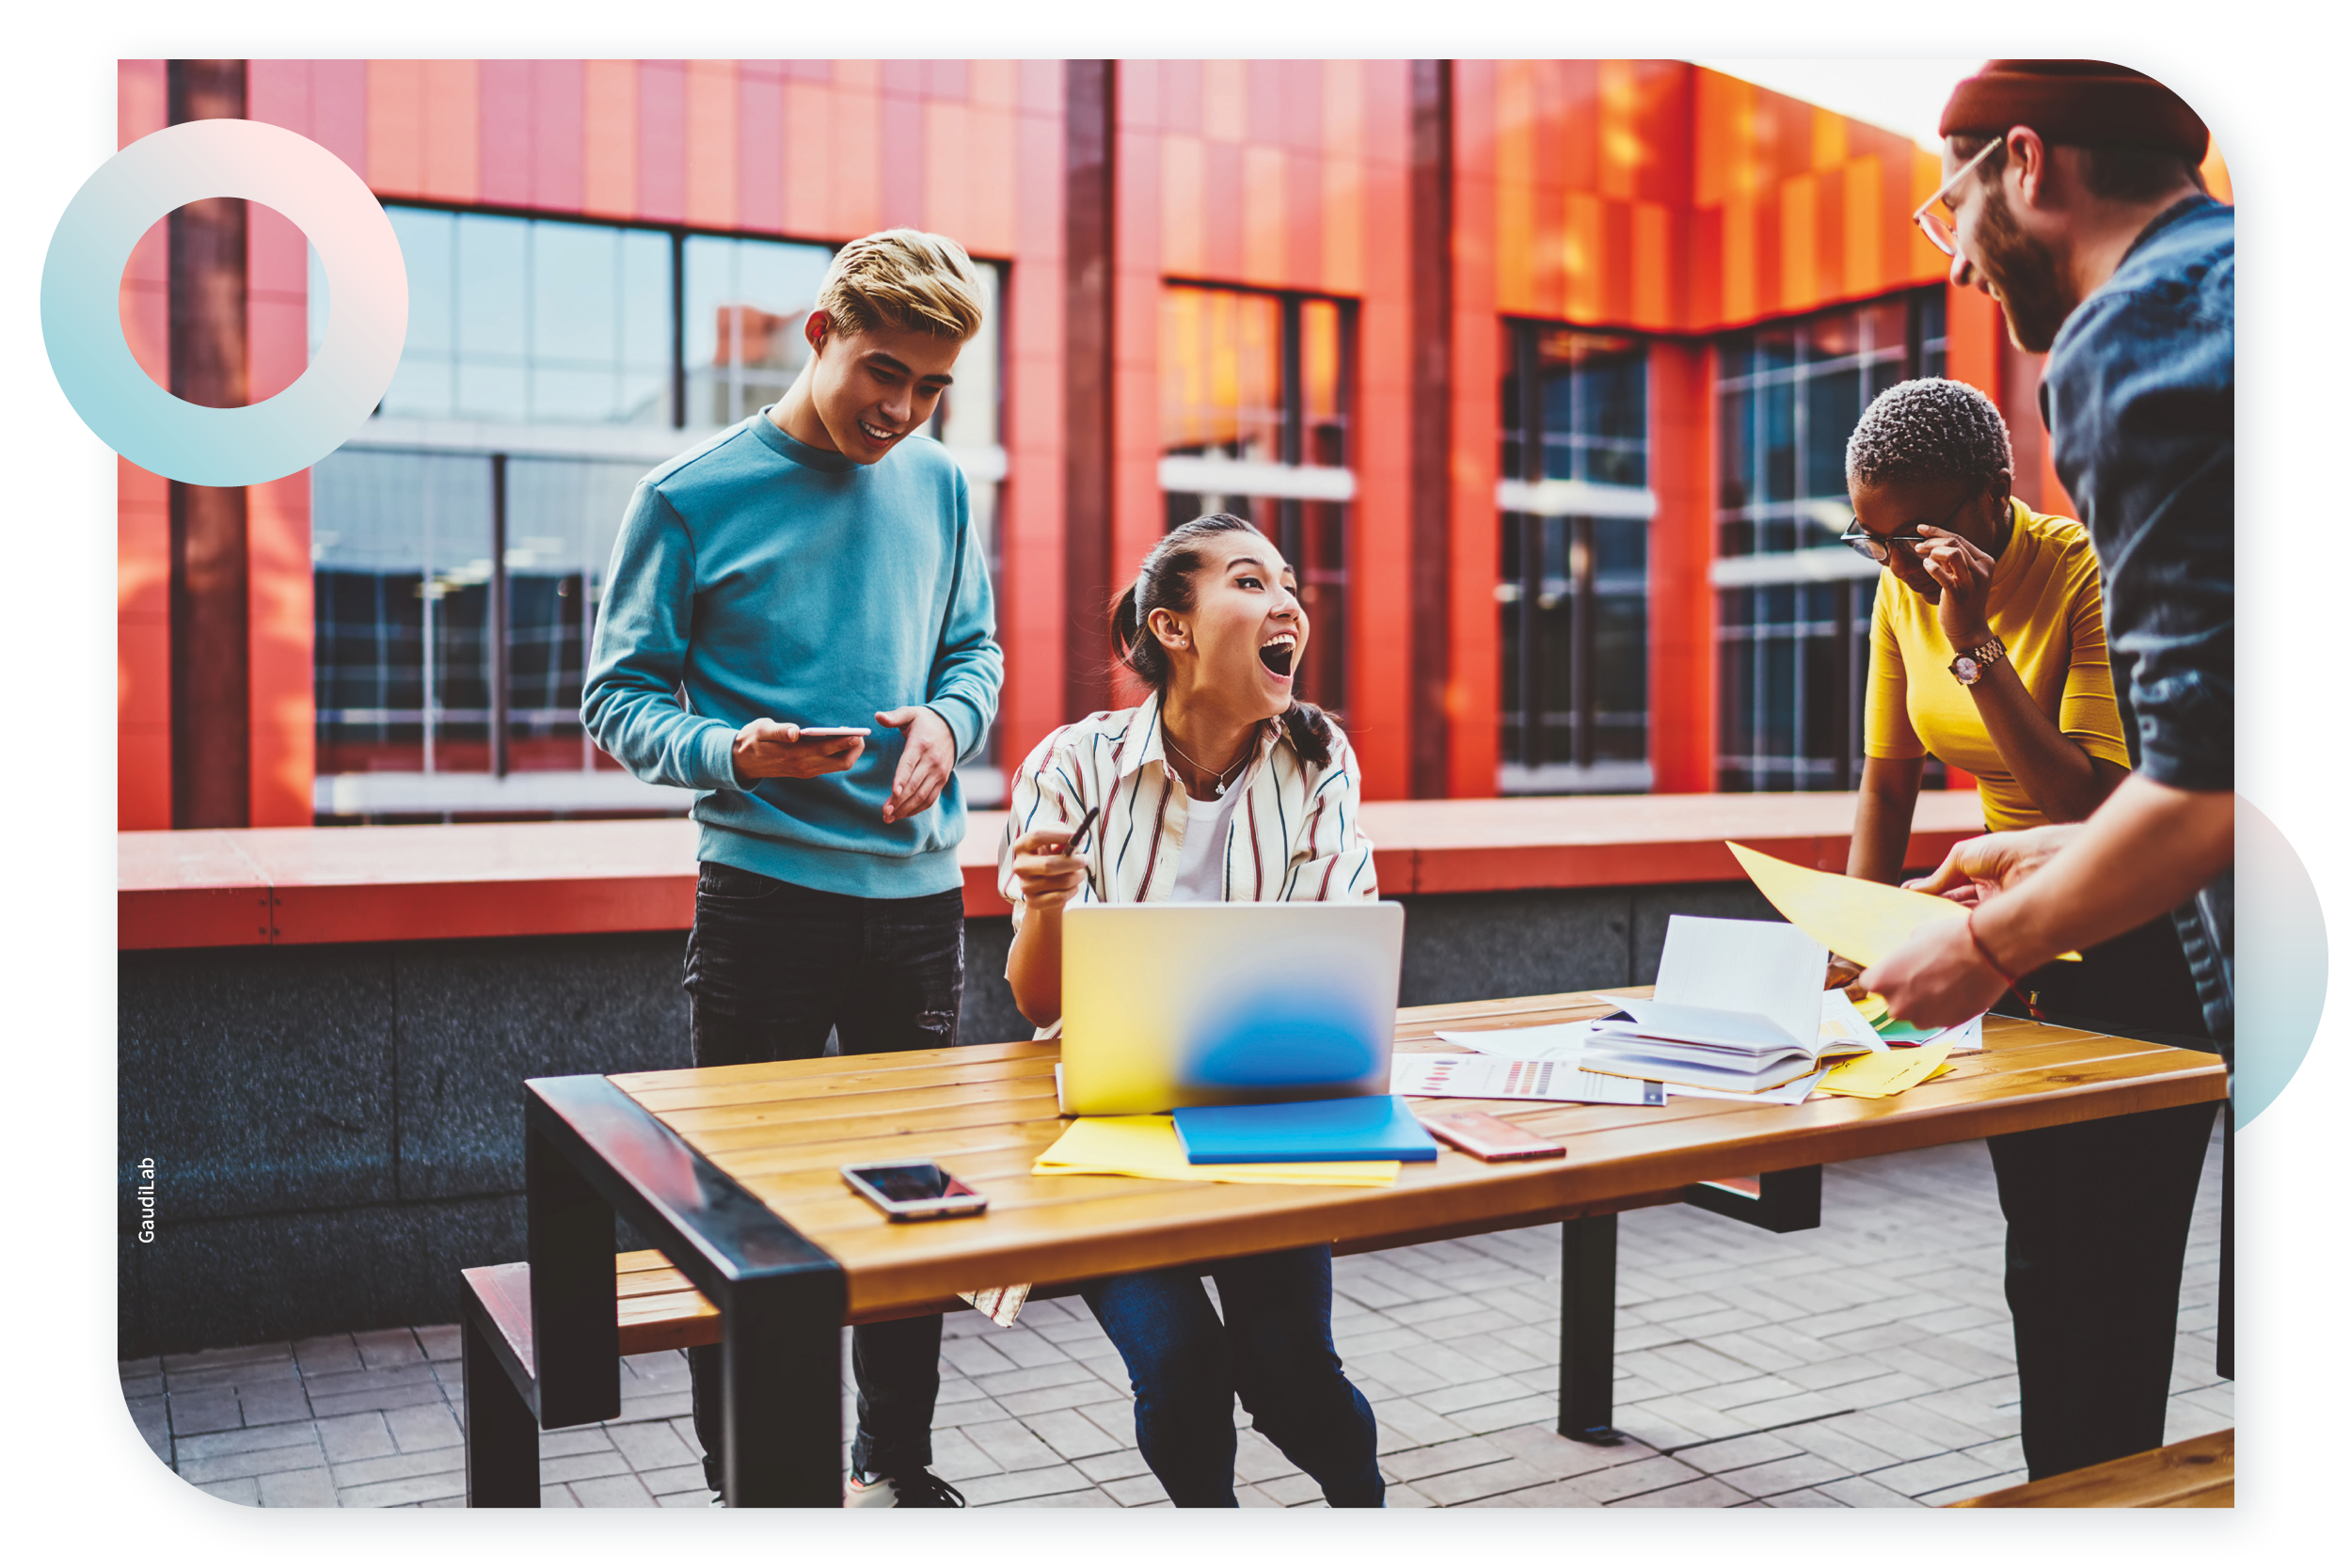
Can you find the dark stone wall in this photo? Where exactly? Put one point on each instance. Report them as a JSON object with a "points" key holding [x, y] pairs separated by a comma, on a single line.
{"points": [[336, 1131]]}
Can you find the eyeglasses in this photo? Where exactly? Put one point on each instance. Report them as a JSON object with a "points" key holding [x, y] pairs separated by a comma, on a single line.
{"points": [[1940, 233], [1877, 546]]}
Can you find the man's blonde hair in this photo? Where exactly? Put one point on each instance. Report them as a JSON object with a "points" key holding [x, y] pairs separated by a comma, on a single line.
{"points": [[905, 278]]}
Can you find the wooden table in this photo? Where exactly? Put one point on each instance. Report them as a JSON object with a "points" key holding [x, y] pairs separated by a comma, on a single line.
{"points": [[734, 1174]]}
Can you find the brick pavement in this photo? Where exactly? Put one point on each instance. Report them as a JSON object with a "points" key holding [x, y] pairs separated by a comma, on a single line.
{"points": [[1864, 1364]]}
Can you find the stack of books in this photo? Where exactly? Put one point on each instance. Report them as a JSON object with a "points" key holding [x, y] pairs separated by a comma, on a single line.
{"points": [[1739, 1009]]}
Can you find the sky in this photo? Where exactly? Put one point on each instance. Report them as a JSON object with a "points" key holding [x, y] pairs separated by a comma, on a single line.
{"points": [[1899, 95]]}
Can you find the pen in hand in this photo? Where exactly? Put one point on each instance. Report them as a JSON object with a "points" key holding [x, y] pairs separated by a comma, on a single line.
{"points": [[1084, 823]]}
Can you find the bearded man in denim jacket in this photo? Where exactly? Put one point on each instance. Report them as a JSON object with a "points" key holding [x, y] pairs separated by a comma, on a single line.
{"points": [[2076, 201]]}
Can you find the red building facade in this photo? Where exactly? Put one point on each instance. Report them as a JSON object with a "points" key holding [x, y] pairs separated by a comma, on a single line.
{"points": [[1441, 325]]}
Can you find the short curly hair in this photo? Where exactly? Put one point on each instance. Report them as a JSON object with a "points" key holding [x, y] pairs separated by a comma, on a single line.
{"points": [[1930, 429]]}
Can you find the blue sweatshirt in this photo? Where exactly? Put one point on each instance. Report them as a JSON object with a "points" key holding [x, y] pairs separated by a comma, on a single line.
{"points": [[765, 580]]}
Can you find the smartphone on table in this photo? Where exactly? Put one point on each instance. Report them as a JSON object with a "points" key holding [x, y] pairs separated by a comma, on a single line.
{"points": [[913, 1190], [1488, 1137]]}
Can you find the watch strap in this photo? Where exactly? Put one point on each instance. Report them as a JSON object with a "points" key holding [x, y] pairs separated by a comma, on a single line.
{"points": [[1984, 656]]}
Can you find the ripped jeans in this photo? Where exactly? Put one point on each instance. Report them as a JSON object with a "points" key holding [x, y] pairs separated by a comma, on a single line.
{"points": [[772, 969]]}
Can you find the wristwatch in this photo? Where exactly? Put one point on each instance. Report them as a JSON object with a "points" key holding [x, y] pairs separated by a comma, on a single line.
{"points": [[1969, 668]]}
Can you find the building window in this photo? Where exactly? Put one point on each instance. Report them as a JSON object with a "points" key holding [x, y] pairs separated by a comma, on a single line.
{"points": [[1573, 590], [1256, 390], [460, 541], [1794, 605]]}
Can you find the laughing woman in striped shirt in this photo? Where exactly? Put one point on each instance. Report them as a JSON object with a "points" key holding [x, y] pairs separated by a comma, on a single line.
{"points": [[1222, 786]]}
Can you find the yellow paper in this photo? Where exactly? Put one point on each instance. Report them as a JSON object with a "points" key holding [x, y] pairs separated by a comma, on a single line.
{"points": [[1885, 1073], [1863, 921], [1147, 1147]]}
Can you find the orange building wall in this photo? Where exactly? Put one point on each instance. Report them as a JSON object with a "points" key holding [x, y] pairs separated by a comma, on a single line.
{"points": [[1280, 174], [143, 510]]}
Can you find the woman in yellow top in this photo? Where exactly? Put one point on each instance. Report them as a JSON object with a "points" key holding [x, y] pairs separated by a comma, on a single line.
{"points": [[1989, 650]]}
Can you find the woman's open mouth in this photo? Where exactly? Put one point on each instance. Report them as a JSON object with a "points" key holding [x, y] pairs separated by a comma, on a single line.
{"points": [[1278, 652]]}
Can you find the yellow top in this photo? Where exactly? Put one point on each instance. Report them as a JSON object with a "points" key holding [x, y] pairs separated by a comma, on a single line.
{"points": [[2044, 606]]}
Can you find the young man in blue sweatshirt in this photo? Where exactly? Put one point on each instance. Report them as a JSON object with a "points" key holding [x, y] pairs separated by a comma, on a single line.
{"points": [[816, 567]]}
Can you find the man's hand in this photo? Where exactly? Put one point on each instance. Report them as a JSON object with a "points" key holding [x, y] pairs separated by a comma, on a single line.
{"points": [[1048, 873], [1977, 868], [1936, 979], [930, 761], [764, 749], [1966, 575]]}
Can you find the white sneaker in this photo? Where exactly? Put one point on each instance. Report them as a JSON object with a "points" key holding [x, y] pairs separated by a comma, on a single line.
{"points": [[919, 1490]]}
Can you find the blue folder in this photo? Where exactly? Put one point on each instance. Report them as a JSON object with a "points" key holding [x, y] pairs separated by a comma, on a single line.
{"points": [[1375, 1127]]}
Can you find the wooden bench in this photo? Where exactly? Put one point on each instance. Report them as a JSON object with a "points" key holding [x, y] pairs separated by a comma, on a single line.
{"points": [[2200, 1472]]}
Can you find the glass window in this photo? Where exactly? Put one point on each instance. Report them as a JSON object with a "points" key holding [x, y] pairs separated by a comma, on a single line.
{"points": [[1263, 379], [745, 302], [1793, 649], [1573, 594], [530, 319]]}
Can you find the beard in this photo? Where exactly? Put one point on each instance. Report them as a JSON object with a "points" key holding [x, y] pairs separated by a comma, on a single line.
{"points": [[2023, 275]]}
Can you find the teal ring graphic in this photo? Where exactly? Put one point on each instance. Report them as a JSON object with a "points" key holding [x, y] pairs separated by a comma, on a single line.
{"points": [[81, 318]]}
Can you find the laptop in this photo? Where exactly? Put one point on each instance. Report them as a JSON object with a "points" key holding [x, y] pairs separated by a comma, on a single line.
{"points": [[1174, 1005]]}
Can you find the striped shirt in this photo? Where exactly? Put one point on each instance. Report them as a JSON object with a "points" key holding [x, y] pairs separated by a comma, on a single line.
{"points": [[1295, 836]]}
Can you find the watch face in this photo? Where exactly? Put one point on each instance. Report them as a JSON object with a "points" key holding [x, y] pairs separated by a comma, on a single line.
{"points": [[1967, 670]]}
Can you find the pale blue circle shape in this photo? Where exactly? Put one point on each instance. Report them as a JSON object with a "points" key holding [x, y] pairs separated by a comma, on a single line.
{"points": [[81, 317], [2282, 952]]}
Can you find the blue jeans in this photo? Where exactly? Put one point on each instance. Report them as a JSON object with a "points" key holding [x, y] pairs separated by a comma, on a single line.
{"points": [[772, 968], [1274, 1349]]}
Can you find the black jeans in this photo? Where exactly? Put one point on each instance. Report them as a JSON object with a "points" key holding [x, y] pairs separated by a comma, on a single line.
{"points": [[772, 968], [2098, 1223]]}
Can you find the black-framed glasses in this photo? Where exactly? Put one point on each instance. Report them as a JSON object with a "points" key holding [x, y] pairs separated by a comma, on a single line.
{"points": [[1876, 546]]}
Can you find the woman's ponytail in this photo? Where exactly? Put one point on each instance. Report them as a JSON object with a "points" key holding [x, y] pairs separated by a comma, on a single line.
{"points": [[1310, 730]]}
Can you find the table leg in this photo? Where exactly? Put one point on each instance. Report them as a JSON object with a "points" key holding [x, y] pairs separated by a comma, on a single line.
{"points": [[782, 1359], [574, 1333], [501, 1434], [2225, 1314], [1588, 1328]]}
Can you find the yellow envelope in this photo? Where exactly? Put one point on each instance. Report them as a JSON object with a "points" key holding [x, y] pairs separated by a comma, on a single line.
{"points": [[1885, 1073], [1147, 1147], [1863, 921]]}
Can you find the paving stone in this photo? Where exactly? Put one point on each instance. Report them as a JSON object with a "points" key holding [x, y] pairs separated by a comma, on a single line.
{"points": [[1055, 1374], [395, 1398], [1460, 1454], [328, 1352], [1024, 1402], [1804, 1497], [1509, 1413], [1596, 1487], [442, 1341], [549, 1497], [1454, 1488], [153, 1420], [1993, 1483], [677, 1477], [581, 1467], [557, 1445], [1012, 1444], [652, 1446], [205, 1410], [1292, 1490], [982, 1491], [253, 1462], [1071, 1434], [213, 1444], [622, 1490], [1118, 1466], [417, 1428], [246, 1490], [1404, 1424], [1706, 1491], [1934, 1473], [1116, 1418], [311, 1488], [1091, 1498], [1777, 1475], [234, 1355], [1558, 1457], [412, 1489], [1733, 1453], [1135, 1491], [389, 1347], [152, 1387], [1449, 1397], [414, 1375], [399, 1467]]}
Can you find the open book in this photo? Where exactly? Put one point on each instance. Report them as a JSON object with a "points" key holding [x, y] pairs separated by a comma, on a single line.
{"points": [[1739, 1006]]}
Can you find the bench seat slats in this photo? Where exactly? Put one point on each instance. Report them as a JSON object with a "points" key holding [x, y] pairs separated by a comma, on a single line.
{"points": [[2199, 1472]]}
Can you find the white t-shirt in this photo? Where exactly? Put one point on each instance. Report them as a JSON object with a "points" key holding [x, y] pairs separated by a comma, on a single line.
{"points": [[1200, 871]]}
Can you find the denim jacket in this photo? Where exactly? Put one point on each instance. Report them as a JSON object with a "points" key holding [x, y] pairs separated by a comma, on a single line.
{"points": [[2139, 396]]}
